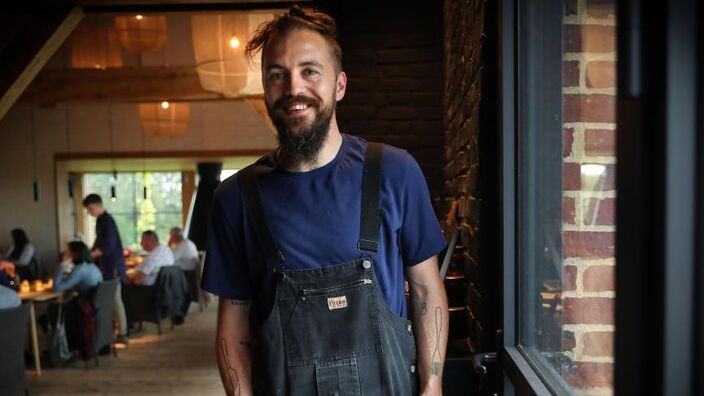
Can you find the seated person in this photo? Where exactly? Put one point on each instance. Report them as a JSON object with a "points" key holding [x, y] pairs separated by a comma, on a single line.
{"points": [[21, 253], [77, 271], [185, 251], [8, 295], [159, 256]]}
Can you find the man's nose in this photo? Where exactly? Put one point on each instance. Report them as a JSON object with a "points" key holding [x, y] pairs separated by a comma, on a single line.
{"points": [[294, 85]]}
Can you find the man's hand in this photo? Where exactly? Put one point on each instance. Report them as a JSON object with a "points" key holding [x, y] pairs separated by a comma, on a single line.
{"points": [[95, 253], [233, 347], [430, 317]]}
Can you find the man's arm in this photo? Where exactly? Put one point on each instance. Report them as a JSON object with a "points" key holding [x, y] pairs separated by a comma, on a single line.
{"points": [[431, 318], [232, 347]]}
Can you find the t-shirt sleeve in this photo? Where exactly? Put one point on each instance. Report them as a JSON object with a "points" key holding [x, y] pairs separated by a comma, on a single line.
{"points": [[421, 236], [225, 272]]}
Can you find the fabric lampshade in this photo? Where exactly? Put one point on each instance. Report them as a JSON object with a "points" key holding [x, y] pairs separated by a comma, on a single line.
{"points": [[218, 46], [165, 119], [95, 47], [140, 33]]}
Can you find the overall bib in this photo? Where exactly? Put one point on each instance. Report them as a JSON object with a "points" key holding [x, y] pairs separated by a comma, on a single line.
{"points": [[330, 331]]}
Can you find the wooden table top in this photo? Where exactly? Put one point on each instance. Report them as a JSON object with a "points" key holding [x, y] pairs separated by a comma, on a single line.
{"points": [[45, 295]]}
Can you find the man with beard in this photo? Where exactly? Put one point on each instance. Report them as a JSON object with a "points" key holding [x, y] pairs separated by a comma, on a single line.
{"points": [[308, 247]]}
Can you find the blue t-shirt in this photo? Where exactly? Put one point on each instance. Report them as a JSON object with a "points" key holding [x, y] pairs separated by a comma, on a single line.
{"points": [[315, 219]]}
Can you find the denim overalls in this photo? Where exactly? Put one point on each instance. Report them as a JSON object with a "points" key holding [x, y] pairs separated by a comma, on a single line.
{"points": [[330, 331]]}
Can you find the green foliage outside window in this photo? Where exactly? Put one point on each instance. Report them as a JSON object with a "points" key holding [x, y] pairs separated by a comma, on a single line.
{"points": [[133, 214]]}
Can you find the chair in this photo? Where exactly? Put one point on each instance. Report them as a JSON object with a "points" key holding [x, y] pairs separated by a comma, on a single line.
{"points": [[167, 297], [195, 293], [140, 305], [12, 365], [104, 304]]}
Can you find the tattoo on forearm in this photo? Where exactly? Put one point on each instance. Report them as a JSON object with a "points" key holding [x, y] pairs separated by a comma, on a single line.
{"points": [[436, 354], [230, 378], [240, 302], [423, 309]]}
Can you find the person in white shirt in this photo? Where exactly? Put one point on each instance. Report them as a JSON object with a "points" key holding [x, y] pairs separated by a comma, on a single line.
{"points": [[159, 256], [185, 251]]}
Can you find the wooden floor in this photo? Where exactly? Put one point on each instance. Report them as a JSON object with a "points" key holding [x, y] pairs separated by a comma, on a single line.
{"points": [[179, 362]]}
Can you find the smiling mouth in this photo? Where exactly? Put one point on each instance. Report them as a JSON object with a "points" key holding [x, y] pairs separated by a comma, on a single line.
{"points": [[297, 108]]}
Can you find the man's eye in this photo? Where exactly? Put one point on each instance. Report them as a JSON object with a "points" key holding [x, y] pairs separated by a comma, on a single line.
{"points": [[276, 76], [310, 72]]}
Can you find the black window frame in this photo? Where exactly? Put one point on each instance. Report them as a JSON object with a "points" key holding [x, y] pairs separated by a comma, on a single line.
{"points": [[660, 201]]}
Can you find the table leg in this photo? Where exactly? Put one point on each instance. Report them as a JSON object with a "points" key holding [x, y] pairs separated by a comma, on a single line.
{"points": [[35, 340]]}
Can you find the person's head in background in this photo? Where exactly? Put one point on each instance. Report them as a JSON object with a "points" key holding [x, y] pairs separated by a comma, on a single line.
{"points": [[77, 252], [94, 205], [175, 236], [150, 240], [19, 240]]}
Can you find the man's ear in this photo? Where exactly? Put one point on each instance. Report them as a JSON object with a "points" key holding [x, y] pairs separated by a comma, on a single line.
{"points": [[341, 86]]}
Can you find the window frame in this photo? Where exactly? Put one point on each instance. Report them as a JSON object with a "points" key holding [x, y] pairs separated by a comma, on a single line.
{"points": [[660, 115]]}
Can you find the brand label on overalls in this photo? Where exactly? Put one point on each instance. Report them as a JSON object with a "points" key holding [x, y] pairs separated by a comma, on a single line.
{"points": [[337, 302]]}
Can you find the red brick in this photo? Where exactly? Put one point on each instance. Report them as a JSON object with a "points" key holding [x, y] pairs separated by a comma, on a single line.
{"points": [[598, 343], [569, 277], [568, 210], [567, 140], [601, 8], [589, 108], [601, 74], [568, 341], [588, 310], [600, 142], [589, 38], [570, 74], [599, 278], [591, 375], [571, 177], [588, 245], [605, 210]]}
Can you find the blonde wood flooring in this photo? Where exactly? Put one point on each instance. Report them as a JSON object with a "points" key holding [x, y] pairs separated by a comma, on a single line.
{"points": [[179, 362]]}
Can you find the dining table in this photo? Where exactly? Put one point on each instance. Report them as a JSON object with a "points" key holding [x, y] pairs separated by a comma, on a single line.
{"points": [[43, 296]]}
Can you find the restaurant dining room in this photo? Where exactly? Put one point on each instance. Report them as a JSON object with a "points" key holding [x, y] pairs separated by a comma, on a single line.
{"points": [[116, 125]]}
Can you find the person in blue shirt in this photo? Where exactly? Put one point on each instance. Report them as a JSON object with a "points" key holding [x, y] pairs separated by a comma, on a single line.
{"points": [[8, 294], [308, 248], [77, 272], [107, 251]]}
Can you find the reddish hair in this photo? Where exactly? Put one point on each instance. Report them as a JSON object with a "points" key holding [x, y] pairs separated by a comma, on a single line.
{"points": [[293, 19]]}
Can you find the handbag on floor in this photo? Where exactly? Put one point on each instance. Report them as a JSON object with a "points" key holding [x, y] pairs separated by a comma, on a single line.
{"points": [[59, 353]]}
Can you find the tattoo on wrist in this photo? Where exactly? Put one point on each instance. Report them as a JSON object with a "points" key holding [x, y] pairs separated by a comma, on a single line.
{"points": [[229, 378], [435, 368], [423, 309], [240, 302]]}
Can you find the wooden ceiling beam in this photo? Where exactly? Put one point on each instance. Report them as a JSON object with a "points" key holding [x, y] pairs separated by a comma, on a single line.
{"points": [[144, 84], [41, 35]]}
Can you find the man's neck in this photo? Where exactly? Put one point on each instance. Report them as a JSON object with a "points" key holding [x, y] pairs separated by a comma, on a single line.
{"points": [[326, 154]]}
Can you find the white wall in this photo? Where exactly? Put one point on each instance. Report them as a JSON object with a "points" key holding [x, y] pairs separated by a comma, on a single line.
{"points": [[215, 126]]}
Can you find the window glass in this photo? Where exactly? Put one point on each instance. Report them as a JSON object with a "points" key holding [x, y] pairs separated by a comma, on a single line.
{"points": [[161, 210], [567, 191]]}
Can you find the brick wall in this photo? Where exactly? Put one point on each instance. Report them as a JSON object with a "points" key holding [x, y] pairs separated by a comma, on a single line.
{"points": [[467, 143], [392, 54], [589, 157]]}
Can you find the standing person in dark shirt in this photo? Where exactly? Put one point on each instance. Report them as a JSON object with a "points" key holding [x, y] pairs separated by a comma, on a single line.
{"points": [[107, 252]]}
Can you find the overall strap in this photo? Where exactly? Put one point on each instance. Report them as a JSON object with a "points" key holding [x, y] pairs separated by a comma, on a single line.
{"points": [[371, 213], [252, 198]]}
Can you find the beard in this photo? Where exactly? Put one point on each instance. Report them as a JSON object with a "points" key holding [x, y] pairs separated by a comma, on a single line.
{"points": [[301, 143]]}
